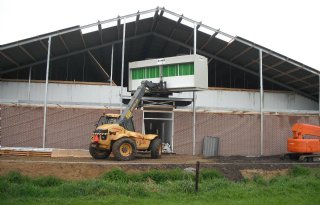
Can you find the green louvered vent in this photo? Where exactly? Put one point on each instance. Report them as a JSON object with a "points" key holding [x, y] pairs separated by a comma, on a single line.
{"points": [[167, 71], [144, 73]]}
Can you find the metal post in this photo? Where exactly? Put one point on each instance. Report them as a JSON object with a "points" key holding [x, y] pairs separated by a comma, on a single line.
{"points": [[194, 124], [197, 177], [319, 99], [194, 96], [261, 104], [122, 65], [194, 38], [111, 73], [46, 95], [29, 84]]}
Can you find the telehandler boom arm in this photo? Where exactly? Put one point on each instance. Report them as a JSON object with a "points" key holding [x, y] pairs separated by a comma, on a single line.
{"points": [[136, 98]]}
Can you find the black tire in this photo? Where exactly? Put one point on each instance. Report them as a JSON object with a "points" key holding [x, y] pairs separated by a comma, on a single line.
{"points": [[156, 148], [124, 149], [99, 154]]}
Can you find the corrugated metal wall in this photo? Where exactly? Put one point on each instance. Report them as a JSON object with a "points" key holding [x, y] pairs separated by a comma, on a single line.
{"points": [[71, 127]]}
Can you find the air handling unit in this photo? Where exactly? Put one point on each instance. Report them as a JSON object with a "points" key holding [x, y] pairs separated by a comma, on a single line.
{"points": [[181, 73]]}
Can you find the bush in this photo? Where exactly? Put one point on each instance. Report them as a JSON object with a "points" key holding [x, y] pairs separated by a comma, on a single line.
{"points": [[209, 174], [258, 179], [116, 175], [16, 177], [47, 181], [298, 170]]}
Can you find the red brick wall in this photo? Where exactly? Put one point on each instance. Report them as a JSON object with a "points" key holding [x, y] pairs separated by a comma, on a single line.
{"points": [[239, 134]]}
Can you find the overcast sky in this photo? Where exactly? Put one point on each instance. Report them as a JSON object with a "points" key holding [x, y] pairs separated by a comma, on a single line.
{"points": [[290, 27]]}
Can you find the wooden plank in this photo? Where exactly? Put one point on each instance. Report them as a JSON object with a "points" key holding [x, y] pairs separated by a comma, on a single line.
{"points": [[25, 153]]}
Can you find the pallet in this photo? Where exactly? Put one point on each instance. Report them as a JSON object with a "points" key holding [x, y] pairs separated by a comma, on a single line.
{"points": [[28, 153]]}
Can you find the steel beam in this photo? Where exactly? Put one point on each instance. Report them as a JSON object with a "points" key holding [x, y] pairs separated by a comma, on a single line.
{"points": [[224, 47], [234, 65], [111, 66], [118, 27], [100, 32], [29, 83], [45, 96], [82, 40], [64, 43], [194, 124], [171, 34], [98, 64], [245, 42], [209, 39], [122, 61], [194, 95], [111, 73], [240, 54], [274, 65], [8, 58], [75, 29], [309, 86], [174, 14], [301, 79], [261, 102], [255, 60], [43, 46], [137, 23], [155, 21], [192, 34], [73, 53], [28, 53], [286, 73]]}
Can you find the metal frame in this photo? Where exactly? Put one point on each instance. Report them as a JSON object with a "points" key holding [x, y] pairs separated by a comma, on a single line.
{"points": [[166, 119], [75, 53], [45, 96], [122, 62], [195, 28], [261, 102], [235, 65], [162, 10]]}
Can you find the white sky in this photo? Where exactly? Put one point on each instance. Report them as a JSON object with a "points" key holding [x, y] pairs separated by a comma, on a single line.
{"points": [[290, 27]]}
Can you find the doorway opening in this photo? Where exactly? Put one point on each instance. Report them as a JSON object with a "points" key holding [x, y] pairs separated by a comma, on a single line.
{"points": [[161, 124]]}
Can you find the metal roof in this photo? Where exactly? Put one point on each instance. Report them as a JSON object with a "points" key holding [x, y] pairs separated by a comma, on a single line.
{"points": [[153, 33]]}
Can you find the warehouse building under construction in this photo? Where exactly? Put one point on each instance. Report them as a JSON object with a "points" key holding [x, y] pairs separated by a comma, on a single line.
{"points": [[55, 86]]}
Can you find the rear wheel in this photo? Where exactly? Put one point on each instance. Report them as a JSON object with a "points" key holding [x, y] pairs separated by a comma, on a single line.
{"points": [[98, 153], [156, 148], [124, 149]]}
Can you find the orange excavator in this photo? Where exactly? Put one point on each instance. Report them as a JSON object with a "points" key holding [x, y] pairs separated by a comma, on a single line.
{"points": [[302, 148]]}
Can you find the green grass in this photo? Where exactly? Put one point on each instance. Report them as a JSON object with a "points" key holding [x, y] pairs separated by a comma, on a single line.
{"points": [[300, 186]]}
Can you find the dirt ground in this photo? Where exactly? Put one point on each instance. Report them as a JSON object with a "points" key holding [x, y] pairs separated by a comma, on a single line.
{"points": [[234, 168]]}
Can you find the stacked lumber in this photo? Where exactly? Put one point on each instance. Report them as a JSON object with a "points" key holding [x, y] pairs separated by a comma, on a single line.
{"points": [[29, 153]]}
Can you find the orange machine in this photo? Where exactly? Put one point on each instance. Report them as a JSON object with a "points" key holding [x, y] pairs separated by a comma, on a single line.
{"points": [[303, 148]]}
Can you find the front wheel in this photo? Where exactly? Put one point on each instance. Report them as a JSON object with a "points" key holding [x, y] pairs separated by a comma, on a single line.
{"points": [[124, 149], [156, 148], [98, 153]]}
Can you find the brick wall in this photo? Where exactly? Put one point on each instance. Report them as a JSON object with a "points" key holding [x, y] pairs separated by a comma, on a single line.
{"points": [[70, 128]]}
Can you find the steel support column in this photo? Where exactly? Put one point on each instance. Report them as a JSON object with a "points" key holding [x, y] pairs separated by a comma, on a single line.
{"points": [[111, 73], [122, 62], [46, 95], [194, 96], [29, 83], [261, 103]]}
